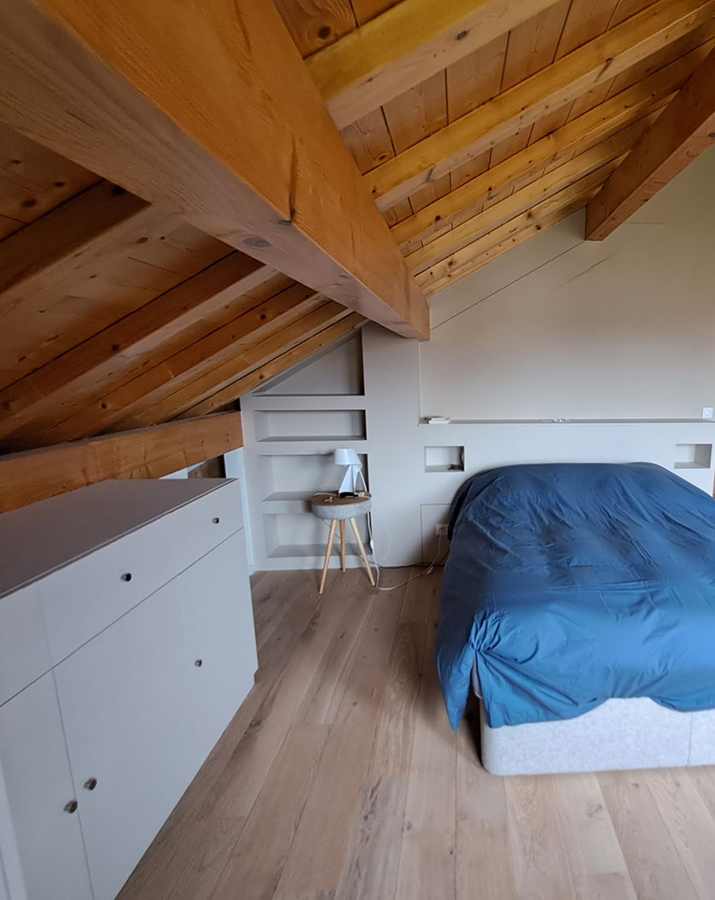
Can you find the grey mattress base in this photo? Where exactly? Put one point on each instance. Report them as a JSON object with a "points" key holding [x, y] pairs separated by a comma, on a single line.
{"points": [[631, 733]]}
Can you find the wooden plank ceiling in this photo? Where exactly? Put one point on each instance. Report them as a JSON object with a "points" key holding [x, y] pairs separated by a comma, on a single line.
{"points": [[475, 124]]}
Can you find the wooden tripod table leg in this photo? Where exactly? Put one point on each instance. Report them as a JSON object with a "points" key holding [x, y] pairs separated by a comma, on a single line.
{"points": [[362, 551], [342, 544], [328, 549]]}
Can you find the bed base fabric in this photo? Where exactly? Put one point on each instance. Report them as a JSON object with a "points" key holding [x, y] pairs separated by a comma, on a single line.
{"points": [[633, 733]]}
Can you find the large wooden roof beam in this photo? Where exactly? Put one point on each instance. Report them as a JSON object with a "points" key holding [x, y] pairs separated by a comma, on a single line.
{"points": [[683, 131], [406, 45], [591, 65], [146, 453], [208, 111]]}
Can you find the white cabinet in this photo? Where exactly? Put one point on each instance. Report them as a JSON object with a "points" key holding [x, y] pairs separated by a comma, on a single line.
{"points": [[223, 660], [130, 734], [41, 795], [125, 685]]}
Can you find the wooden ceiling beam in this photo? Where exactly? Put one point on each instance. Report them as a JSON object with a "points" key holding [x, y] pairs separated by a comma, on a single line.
{"points": [[118, 407], [509, 235], [250, 359], [46, 255], [70, 382], [522, 200], [147, 453], [406, 45], [685, 129], [280, 364], [208, 111], [580, 134], [591, 65]]}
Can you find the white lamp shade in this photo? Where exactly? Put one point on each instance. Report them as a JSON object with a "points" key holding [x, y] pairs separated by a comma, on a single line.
{"points": [[346, 457]]}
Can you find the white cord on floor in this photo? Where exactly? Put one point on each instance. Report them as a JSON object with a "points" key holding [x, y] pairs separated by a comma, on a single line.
{"points": [[428, 571], [371, 543]]}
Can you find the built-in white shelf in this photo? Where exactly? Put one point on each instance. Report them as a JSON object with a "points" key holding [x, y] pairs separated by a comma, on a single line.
{"points": [[444, 459], [693, 456], [305, 425]]}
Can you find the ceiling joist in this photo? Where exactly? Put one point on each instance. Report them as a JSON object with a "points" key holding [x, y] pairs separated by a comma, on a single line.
{"points": [[516, 231], [285, 361], [684, 130], [522, 200], [143, 339], [219, 381], [578, 135], [595, 63], [404, 46], [208, 112]]}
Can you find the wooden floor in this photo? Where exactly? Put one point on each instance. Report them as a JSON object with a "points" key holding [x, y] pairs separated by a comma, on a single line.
{"points": [[340, 778]]}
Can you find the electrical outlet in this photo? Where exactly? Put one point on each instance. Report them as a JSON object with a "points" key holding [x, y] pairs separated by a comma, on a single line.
{"points": [[441, 529]]}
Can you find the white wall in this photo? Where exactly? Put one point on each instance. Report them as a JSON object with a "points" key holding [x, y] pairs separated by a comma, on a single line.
{"points": [[565, 328]]}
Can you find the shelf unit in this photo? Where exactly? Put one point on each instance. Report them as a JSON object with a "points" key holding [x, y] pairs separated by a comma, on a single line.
{"points": [[292, 427]]}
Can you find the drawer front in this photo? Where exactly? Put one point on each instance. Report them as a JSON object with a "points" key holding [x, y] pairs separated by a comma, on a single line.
{"points": [[24, 653], [81, 599]]}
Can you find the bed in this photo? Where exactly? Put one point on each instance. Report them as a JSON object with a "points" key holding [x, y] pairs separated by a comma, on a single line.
{"points": [[578, 601]]}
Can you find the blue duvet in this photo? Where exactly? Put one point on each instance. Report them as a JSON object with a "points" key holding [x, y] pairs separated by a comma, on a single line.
{"points": [[571, 584]]}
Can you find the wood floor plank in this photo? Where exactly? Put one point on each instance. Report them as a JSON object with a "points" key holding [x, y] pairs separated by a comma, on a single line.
{"points": [[595, 856], [655, 868], [689, 823], [320, 848], [256, 862], [541, 869], [427, 859]]}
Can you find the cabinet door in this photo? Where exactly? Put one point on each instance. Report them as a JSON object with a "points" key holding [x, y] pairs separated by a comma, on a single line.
{"points": [[38, 785], [123, 698], [216, 597]]}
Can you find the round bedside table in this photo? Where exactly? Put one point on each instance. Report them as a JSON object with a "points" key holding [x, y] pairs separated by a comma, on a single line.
{"points": [[341, 510]]}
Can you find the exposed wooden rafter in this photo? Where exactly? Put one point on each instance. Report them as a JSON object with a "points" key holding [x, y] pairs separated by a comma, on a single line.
{"points": [[242, 385], [219, 379], [562, 82], [684, 130], [513, 233], [208, 112], [541, 189], [405, 45], [579, 135], [64, 387], [146, 453]]}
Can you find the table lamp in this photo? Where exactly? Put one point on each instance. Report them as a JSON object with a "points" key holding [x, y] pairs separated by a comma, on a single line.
{"points": [[349, 458]]}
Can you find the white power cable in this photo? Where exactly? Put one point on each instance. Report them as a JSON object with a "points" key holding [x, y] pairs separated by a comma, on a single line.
{"points": [[428, 571]]}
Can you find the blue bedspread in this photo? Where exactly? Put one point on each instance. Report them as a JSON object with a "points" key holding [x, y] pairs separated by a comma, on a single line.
{"points": [[571, 584]]}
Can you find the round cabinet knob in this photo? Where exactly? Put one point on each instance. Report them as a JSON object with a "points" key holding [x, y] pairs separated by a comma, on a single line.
{"points": [[71, 807], [127, 576], [90, 784], [216, 520], [198, 663]]}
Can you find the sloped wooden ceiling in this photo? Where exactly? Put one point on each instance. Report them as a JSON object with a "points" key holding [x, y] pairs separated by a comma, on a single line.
{"points": [[475, 125], [510, 137]]}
